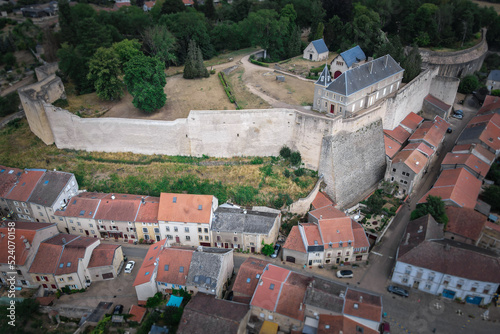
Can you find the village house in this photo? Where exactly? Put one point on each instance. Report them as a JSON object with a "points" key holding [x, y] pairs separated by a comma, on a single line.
{"points": [[27, 239], [433, 106], [63, 261], [431, 133], [186, 219], [428, 262], [106, 262], [358, 88], [146, 220], [483, 129], [206, 314], [246, 229], [247, 279], [204, 269], [316, 51], [478, 150], [347, 60], [408, 166], [469, 161], [493, 80]]}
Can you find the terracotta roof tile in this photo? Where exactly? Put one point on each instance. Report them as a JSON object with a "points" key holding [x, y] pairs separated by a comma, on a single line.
{"points": [[470, 160], [491, 104], [479, 151], [492, 226], [313, 237], [146, 270], [327, 212], [292, 295], [465, 222], [123, 207], [360, 238], [437, 102], [8, 178], [369, 306], [186, 208], [149, 4], [266, 295], [336, 230], [391, 146], [463, 148], [103, 255], [247, 279], [412, 121], [334, 324], [173, 265], [24, 231], [422, 147], [491, 134], [432, 132], [148, 211], [27, 182], [399, 134], [414, 159], [83, 205], [294, 240], [72, 253], [138, 313], [321, 200]]}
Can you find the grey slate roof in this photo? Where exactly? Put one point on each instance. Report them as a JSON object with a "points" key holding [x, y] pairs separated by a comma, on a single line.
{"points": [[205, 268], [494, 75], [365, 75], [326, 295], [353, 55], [324, 78], [320, 45], [471, 133], [49, 187], [236, 220]]}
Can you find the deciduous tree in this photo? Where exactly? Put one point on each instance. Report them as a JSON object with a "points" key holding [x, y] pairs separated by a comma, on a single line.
{"points": [[160, 43], [104, 69]]}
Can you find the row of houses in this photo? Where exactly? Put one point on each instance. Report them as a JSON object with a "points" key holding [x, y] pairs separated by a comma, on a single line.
{"points": [[461, 259], [267, 297], [54, 260]]}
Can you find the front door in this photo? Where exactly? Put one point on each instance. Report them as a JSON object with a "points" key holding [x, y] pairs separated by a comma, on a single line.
{"points": [[332, 108], [416, 284], [87, 232], [310, 56], [226, 245], [177, 240], [310, 262], [116, 235], [252, 249], [449, 293]]}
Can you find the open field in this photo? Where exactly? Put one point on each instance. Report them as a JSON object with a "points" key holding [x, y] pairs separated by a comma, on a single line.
{"points": [[244, 98], [243, 180], [496, 6]]}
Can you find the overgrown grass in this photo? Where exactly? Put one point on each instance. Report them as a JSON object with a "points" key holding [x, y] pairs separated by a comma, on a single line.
{"points": [[243, 180]]}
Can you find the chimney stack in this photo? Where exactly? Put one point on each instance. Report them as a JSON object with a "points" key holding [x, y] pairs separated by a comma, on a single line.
{"points": [[371, 67], [407, 238]]}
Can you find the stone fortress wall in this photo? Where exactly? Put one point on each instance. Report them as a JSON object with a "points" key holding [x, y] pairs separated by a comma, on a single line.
{"points": [[349, 153]]}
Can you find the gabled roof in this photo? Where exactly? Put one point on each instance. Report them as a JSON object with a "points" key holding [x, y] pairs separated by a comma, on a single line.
{"points": [[8, 178], [244, 221], [103, 255], [169, 265], [412, 121], [471, 133], [83, 205], [247, 279], [334, 324], [23, 231], [321, 200], [206, 267], [360, 238], [25, 185], [327, 212], [312, 235], [480, 151], [491, 134], [353, 55], [494, 75], [414, 159], [118, 207], [137, 313], [294, 240], [326, 295], [491, 104], [465, 222], [363, 76], [185, 208], [432, 132], [422, 147], [368, 306], [324, 78], [149, 4], [320, 45], [457, 185], [49, 188], [292, 295], [419, 230], [148, 210], [267, 294], [399, 134], [207, 314], [335, 231], [437, 102], [145, 272], [391, 146], [470, 160]]}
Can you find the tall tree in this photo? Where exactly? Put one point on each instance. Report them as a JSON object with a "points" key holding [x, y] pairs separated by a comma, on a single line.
{"points": [[172, 6], [209, 9], [161, 43], [341, 8], [145, 79], [194, 67], [412, 64], [127, 49], [104, 69]]}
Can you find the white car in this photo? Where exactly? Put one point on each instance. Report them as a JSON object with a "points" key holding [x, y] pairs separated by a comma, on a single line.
{"points": [[345, 274], [129, 267]]}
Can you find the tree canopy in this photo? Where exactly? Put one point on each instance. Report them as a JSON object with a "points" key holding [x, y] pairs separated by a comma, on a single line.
{"points": [[434, 206]]}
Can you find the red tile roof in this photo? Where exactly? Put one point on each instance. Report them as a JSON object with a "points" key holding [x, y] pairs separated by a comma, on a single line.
{"points": [[72, 253], [465, 222], [431, 132], [321, 200], [414, 159], [292, 296], [360, 238], [369, 306], [457, 185], [267, 293], [247, 279], [83, 205], [479, 150], [412, 121], [463, 148], [121, 4], [491, 134], [148, 211], [122, 208], [45, 301], [492, 226], [336, 230], [491, 104], [148, 265], [138, 313], [103, 255], [173, 259], [149, 4], [23, 231], [327, 212], [470, 160], [27, 182], [391, 146], [422, 147], [399, 134], [313, 237], [294, 240], [334, 324], [8, 178], [437, 102], [186, 208]]}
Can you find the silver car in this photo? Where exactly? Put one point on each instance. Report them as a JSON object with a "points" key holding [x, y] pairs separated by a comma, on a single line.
{"points": [[129, 267]]}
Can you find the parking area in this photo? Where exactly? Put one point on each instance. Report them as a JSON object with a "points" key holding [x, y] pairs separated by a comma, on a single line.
{"points": [[119, 290]]}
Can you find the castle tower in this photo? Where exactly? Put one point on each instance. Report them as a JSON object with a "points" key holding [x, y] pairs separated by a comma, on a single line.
{"points": [[320, 88]]}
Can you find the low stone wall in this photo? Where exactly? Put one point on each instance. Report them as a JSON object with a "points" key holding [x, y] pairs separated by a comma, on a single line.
{"points": [[302, 205]]}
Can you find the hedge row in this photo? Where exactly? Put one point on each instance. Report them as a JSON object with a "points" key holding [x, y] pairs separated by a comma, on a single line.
{"points": [[226, 86]]}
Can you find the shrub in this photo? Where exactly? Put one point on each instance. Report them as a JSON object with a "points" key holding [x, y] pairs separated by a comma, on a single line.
{"points": [[468, 84], [285, 152], [257, 161], [9, 104], [267, 170], [286, 173], [61, 103], [299, 172], [295, 158]]}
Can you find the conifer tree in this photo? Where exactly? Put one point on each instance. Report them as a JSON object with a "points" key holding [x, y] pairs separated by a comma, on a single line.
{"points": [[194, 67]]}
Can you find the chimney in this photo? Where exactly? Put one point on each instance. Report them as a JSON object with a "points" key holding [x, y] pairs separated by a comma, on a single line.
{"points": [[407, 238], [112, 196], [360, 299], [300, 307], [320, 216], [27, 244], [447, 247], [64, 240], [142, 200], [356, 306], [371, 67]]}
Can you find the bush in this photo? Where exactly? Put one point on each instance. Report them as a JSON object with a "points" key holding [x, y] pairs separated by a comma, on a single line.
{"points": [[155, 300], [295, 158], [61, 103], [257, 161], [9, 104], [286, 173], [256, 62], [285, 152], [267, 170], [299, 171], [468, 84]]}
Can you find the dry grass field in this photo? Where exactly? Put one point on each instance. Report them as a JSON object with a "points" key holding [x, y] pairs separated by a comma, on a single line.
{"points": [[496, 6]]}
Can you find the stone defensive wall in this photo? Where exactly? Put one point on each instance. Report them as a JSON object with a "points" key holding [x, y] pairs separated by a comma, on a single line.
{"points": [[459, 63]]}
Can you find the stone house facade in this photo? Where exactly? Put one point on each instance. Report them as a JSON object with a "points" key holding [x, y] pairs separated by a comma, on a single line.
{"points": [[316, 51], [347, 60], [106, 262]]}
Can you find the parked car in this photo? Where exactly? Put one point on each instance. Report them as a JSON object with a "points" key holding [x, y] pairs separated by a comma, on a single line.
{"points": [[276, 251], [398, 291], [118, 309], [449, 130], [457, 116], [459, 112], [345, 274], [129, 267], [385, 328]]}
